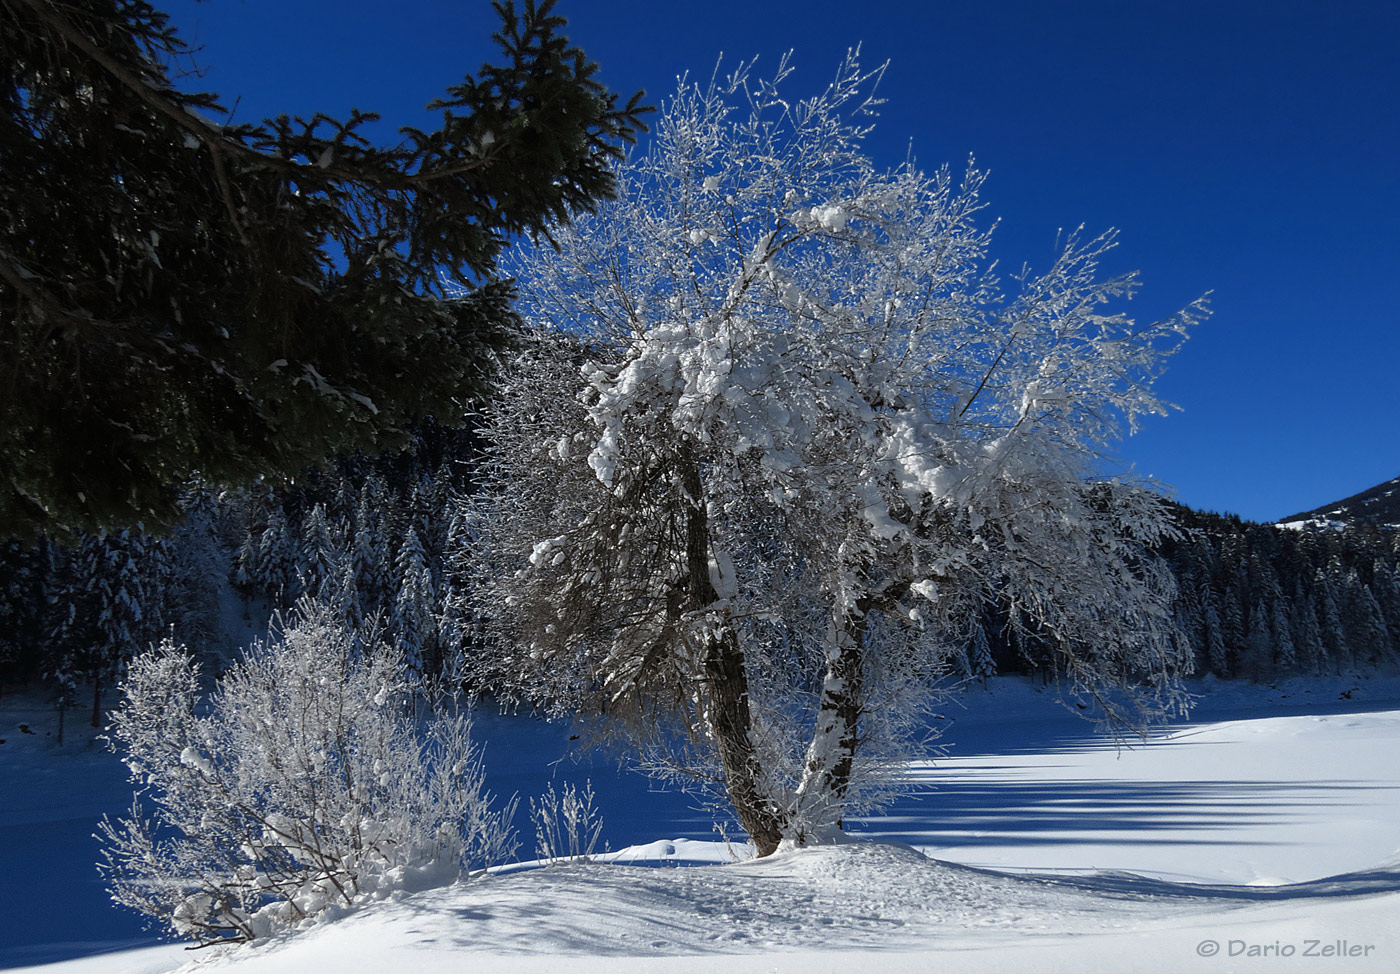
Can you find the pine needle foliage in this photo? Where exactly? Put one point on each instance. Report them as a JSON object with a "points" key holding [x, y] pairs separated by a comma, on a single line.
{"points": [[180, 297]]}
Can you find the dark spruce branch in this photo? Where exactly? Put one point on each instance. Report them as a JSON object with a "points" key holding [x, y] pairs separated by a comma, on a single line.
{"points": [[181, 298]]}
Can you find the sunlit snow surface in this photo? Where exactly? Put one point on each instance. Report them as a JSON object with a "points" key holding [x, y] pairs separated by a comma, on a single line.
{"points": [[1052, 850]]}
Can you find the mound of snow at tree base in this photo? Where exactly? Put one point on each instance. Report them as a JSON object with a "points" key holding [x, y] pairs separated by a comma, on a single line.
{"points": [[846, 907]]}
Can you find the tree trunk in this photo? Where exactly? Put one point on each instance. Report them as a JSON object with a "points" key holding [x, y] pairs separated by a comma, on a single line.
{"points": [[831, 753], [728, 714], [826, 776], [729, 720], [97, 701]]}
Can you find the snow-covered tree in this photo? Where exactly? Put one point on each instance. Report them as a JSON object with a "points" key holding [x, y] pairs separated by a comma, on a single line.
{"points": [[414, 618], [196, 567], [799, 431], [369, 546], [106, 606], [1386, 587], [1334, 637], [1368, 635], [1216, 653], [322, 554], [1307, 637], [1285, 653], [302, 784], [980, 663], [276, 571]]}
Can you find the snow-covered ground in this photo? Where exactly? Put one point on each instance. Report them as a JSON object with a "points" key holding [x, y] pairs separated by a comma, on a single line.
{"points": [[1266, 828]]}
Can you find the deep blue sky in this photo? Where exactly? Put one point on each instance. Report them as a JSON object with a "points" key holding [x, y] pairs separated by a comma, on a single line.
{"points": [[1248, 148]]}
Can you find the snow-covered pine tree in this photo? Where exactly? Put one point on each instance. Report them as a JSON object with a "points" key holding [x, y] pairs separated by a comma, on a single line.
{"points": [[413, 620], [1285, 653], [454, 622], [1234, 616], [321, 554], [1368, 635], [1385, 585], [277, 560], [196, 566], [1307, 636], [370, 553], [429, 507], [980, 662], [106, 606], [1330, 620], [798, 428], [1216, 654], [1257, 660], [1190, 620]]}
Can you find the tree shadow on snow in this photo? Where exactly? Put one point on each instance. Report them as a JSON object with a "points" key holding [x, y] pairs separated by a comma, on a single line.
{"points": [[990, 809]]}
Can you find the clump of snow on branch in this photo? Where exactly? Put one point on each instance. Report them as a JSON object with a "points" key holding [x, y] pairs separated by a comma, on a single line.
{"points": [[779, 435], [303, 784]]}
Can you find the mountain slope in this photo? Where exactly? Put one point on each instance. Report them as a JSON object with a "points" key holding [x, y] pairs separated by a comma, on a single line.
{"points": [[1380, 504]]}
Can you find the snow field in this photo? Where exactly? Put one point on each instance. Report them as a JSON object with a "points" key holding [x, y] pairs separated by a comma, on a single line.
{"points": [[1282, 800]]}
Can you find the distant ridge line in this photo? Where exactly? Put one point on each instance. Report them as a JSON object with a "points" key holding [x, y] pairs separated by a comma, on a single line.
{"points": [[1379, 503]]}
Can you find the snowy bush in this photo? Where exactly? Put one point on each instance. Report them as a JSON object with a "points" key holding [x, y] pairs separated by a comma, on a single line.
{"points": [[302, 785], [567, 826]]}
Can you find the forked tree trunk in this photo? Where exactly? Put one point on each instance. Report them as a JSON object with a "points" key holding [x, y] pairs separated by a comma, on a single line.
{"points": [[727, 713]]}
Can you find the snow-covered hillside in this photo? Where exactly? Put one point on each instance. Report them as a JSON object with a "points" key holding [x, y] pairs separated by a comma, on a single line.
{"points": [[1379, 504], [1270, 821]]}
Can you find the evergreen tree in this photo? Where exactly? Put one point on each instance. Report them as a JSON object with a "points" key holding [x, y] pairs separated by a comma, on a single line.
{"points": [[1369, 636], [245, 563], [1385, 585], [107, 607], [1307, 635], [413, 622], [277, 560], [1216, 654], [196, 567], [1233, 619], [182, 297], [1281, 628], [981, 665], [344, 596], [1189, 619], [369, 552], [1257, 660], [320, 555], [454, 621], [1330, 619]]}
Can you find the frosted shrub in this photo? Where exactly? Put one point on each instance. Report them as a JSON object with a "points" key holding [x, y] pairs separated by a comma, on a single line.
{"points": [[567, 826], [302, 785]]}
